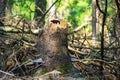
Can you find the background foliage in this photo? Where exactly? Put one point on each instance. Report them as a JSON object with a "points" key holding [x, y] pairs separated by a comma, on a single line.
{"points": [[22, 7]]}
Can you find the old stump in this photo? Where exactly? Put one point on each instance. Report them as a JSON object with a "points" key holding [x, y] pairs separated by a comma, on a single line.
{"points": [[53, 46]]}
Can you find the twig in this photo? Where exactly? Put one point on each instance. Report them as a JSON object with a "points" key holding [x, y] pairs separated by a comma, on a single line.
{"points": [[17, 63], [7, 73], [20, 21]]}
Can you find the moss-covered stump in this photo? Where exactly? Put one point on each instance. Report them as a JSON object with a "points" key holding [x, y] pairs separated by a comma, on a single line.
{"points": [[53, 47]]}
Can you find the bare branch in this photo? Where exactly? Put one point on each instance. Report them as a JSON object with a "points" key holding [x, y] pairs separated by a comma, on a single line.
{"points": [[78, 28]]}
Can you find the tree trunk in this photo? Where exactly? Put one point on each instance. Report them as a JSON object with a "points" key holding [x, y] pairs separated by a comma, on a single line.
{"points": [[53, 47], [2, 15], [117, 21], [93, 21], [3, 4], [52, 12]]}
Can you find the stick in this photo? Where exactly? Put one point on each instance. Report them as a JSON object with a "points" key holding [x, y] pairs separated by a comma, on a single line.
{"points": [[7, 73]]}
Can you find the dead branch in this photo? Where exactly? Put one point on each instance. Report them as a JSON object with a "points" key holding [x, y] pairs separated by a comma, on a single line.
{"points": [[97, 48], [8, 29], [72, 49], [7, 73], [94, 61], [78, 28]]}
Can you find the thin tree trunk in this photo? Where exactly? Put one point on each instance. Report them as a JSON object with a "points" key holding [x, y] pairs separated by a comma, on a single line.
{"points": [[93, 21], [2, 15], [3, 4], [52, 12], [104, 12], [117, 21]]}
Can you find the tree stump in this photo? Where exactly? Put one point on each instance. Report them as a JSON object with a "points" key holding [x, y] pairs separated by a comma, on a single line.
{"points": [[53, 46]]}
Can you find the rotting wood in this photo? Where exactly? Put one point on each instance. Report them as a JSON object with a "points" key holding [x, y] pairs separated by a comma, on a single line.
{"points": [[53, 46]]}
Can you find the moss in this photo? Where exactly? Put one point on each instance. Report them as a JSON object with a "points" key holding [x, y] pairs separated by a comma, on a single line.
{"points": [[64, 68], [64, 50], [40, 72], [43, 71]]}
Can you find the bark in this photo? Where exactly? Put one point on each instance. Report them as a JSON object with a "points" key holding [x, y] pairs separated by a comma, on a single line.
{"points": [[2, 15], [117, 21], [53, 47], [117, 29], [3, 4]]}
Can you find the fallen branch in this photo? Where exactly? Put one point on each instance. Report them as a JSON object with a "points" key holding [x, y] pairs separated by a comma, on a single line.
{"points": [[94, 61], [72, 49], [97, 48], [9, 29], [78, 28], [16, 30], [7, 73]]}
